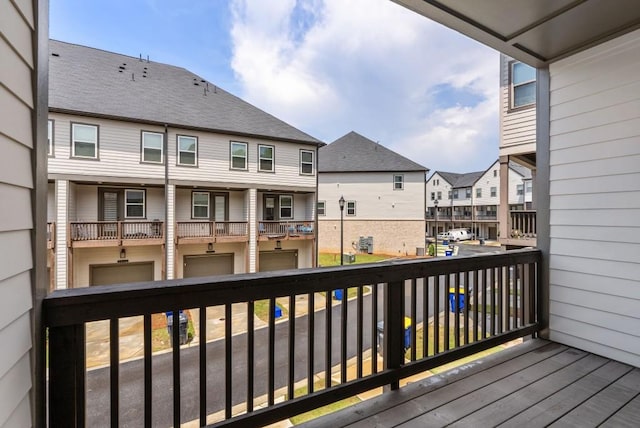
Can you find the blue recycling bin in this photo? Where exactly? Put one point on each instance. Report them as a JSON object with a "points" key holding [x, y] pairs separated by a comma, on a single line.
{"points": [[407, 335], [277, 311], [182, 325], [448, 253], [452, 300], [337, 294]]}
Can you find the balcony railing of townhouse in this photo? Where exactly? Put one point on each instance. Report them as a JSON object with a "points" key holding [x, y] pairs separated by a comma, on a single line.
{"points": [[285, 230], [51, 236], [211, 231], [501, 304], [115, 233], [486, 217], [523, 224]]}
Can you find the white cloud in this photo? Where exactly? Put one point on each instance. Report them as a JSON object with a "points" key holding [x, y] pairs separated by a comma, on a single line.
{"points": [[332, 66]]}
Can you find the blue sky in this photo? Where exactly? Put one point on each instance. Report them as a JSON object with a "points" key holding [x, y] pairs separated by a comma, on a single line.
{"points": [[325, 66]]}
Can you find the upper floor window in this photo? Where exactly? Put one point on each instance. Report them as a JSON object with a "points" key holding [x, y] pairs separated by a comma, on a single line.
{"points": [[494, 192], [467, 193], [433, 196], [286, 206], [449, 194], [523, 85], [152, 147], [238, 155], [455, 194], [519, 189], [200, 205], [439, 196], [495, 172], [528, 186], [436, 181], [322, 208], [265, 158], [478, 192], [134, 203], [351, 207], [84, 141], [398, 182], [306, 162], [50, 137], [187, 150]]}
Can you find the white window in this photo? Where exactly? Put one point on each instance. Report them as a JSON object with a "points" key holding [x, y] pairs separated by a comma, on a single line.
{"points": [[398, 182], [50, 138], [322, 208], [200, 205], [494, 192], [84, 141], [286, 206], [528, 187], [439, 196], [495, 172], [523, 83], [134, 203], [433, 196], [265, 158], [478, 192], [449, 194], [187, 150], [238, 155], [152, 150], [306, 162], [519, 189], [455, 194], [351, 207], [467, 193]]}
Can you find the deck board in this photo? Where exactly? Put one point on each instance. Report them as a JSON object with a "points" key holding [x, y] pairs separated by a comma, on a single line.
{"points": [[538, 383]]}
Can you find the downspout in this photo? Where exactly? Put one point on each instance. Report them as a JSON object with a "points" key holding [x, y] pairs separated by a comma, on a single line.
{"points": [[166, 200]]}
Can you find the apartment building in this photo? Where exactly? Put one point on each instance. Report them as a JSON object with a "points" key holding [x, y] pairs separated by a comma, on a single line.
{"points": [[155, 173], [383, 195], [517, 146], [472, 200]]}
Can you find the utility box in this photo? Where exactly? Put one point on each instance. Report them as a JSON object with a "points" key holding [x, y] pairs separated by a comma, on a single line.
{"points": [[182, 325], [348, 258], [370, 244]]}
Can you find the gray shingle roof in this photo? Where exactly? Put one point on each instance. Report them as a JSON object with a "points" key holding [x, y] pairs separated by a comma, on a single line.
{"points": [[355, 153], [522, 170], [96, 82], [461, 180]]}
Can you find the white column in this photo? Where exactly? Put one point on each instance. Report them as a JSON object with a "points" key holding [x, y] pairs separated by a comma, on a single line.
{"points": [[171, 228], [62, 224], [251, 203]]}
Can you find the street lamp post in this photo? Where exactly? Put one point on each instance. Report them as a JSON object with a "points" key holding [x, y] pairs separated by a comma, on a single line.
{"points": [[341, 202], [435, 253]]}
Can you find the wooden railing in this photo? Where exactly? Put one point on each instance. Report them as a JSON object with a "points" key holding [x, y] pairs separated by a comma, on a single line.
{"points": [[211, 229], [115, 230], [523, 224], [285, 228], [455, 306]]}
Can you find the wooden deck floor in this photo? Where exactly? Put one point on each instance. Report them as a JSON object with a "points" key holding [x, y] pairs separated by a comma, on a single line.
{"points": [[538, 383]]}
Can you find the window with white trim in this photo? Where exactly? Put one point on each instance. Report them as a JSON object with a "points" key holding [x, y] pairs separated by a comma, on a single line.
{"points": [[478, 192], [322, 208], [50, 137], [187, 150], [134, 203], [439, 196], [528, 186], [200, 205], [351, 207], [152, 147], [265, 158], [519, 189], [84, 141], [523, 85], [306, 162], [286, 206], [467, 193], [238, 155], [398, 182], [455, 194], [433, 196], [494, 192]]}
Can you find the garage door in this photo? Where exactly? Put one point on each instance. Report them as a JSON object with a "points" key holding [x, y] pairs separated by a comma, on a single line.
{"points": [[278, 260], [207, 265], [120, 273]]}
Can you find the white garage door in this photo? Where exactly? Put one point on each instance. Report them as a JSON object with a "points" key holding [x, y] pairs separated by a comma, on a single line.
{"points": [[207, 265], [121, 273], [278, 260]]}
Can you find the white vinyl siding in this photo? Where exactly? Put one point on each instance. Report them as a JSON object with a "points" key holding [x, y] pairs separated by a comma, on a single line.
{"points": [[84, 141], [266, 158], [50, 136], [18, 148], [594, 193], [187, 150], [152, 147], [517, 127]]}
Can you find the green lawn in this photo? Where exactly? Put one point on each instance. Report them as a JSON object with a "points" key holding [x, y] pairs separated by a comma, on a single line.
{"points": [[261, 310], [329, 408], [333, 259]]}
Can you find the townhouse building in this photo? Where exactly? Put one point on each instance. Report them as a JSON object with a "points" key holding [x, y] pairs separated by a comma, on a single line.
{"points": [[384, 198], [517, 146], [155, 173], [472, 200]]}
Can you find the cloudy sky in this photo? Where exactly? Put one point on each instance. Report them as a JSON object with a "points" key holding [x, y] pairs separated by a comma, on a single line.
{"points": [[325, 66]]}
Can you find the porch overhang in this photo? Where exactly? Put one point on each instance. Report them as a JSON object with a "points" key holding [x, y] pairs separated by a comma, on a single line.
{"points": [[536, 32]]}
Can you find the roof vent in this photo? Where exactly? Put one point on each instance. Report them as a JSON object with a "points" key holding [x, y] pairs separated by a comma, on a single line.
{"points": [[55, 54]]}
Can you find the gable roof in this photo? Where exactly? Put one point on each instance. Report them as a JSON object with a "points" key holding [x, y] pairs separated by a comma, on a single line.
{"points": [[522, 170], [461, 180], [94, 82], [355, 153]]}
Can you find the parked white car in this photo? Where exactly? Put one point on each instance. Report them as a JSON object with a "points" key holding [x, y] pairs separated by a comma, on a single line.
{"points": [[455, 235]]}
